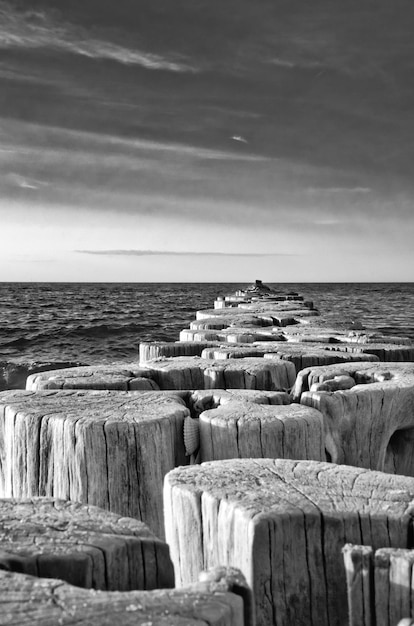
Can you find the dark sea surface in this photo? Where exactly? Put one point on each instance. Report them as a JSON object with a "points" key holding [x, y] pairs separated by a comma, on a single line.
{"points": [[102, 322]]}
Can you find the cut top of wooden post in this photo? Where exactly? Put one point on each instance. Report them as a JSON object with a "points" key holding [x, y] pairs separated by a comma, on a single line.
{"points": [[107, 448], [81, 544], [245, 373], [368, 411], [364, 373], [283, 523], [173, 373], [115, 376]]}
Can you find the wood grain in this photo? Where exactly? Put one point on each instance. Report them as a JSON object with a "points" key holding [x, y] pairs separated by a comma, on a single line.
{"points": [[372, 424], [107, 448], [30, 601], [247, 430], [283, 524], [81, 544]]}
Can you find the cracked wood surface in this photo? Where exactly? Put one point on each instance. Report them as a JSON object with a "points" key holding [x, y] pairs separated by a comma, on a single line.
{"points": [[114, 376], [29, 601], [81, 544], [320, 331], [107, 448], [172, 373], [246, 430], [197, 373], [300, 354], [372, 424], [284, 523], [205, 399]]}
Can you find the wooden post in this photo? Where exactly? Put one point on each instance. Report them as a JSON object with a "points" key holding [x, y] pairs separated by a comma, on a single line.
{"points": [[283, 523], [370, 425], [247, 430], [359, 567], [43, 602], [81, 544], [107, 448]]}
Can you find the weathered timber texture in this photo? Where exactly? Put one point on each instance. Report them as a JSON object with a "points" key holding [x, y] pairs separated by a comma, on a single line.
{"points": [[173, 373], [115, 376], [370, 425], [196, 373], [300, 354], [81, 544], [204, 399], [359, 567], [247, 430], [283, 523], [324, 334], [380, 585], [107, 448], [232, 335], [257, 314], [384, 351], [30, 601], [305, 354], [149, 350]]}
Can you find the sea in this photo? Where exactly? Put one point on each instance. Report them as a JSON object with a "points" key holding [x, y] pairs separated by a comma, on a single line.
{"points": [[96, 323]]}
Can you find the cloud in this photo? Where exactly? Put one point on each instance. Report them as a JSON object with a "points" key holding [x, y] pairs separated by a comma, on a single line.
{"points": [[26, 183], [36, 29], [183, 253], [340, 190]]}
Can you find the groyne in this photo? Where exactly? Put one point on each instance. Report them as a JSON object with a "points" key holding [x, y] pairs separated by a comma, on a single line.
{"points": [[258, 447]]}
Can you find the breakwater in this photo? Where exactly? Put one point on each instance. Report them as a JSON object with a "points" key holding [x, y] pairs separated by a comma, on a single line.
{"points": [[259, 446]]}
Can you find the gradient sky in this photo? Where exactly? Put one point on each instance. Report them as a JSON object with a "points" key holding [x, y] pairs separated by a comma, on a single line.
{"points": [[275, 137]]}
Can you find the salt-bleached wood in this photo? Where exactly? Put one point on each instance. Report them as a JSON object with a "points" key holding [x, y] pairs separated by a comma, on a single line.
{"points": [[30, 601], [247, 430], [359, 568], [232, 335], [107, 448], [238, 351], [257, 311], [383, 351], [394, 588], [149, 350], [81, 544], [380, 585], [305, 354], [232, 319], [323, 333], [205, 399], [372, 424], [362, 372], [196, 373], [115, 376], [283, 523], [301, 354]]}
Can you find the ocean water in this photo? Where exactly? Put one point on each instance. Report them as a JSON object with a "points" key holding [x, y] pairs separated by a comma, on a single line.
{"points": [[103, 322]]}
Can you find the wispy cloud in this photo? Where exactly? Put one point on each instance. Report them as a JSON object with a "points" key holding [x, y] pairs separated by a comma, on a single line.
{"points": [[340, 190], [182, 253], [37, 29]]}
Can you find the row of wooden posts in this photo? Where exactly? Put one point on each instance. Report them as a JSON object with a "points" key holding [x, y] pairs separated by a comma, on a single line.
{"points": [[260, 470]]}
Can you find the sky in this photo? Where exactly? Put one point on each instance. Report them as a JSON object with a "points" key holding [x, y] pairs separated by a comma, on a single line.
{"points": [[206, 140]]}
